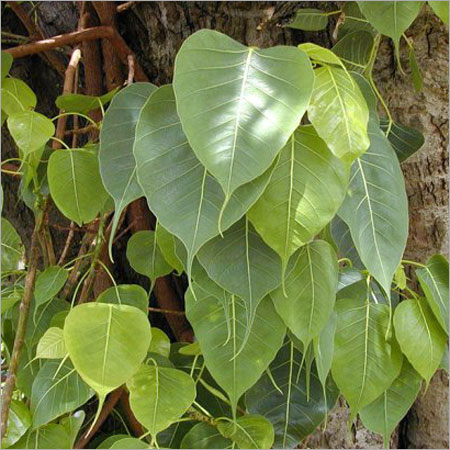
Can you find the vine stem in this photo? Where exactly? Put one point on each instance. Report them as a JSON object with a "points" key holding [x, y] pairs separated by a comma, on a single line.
{"points": [[19, 339], [414, 263]]}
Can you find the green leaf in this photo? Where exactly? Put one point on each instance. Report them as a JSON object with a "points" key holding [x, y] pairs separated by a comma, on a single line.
{"points": [[391, 18], [73, 177], [234, 366], [49, 283], [16, 96], [404, 140], [434, 282], [111, 439], [126, 294], [130, 442], [340, 233], [51, 436], [160, 343], [12, 247], [10, 296], [116, 159], [51, 345], [83, 103], [179, 190], [368, 94], [421, 338], [416, 76], [203, 435], [309, 19], [339, 113], [297, 197], [242, 264], [7, 61], [249, 431], [159, 396], [19, 418], [293, 414], [354, 50], [166, 243], [321, 55], [145, 257], [57, 389], [324, 348], [364, 364], [73, 424], [376, 208], [354, 21], [30, 130], [122, 338], [311, 291], [171, 437], [440, 8], [236, 102], [385, 413]]}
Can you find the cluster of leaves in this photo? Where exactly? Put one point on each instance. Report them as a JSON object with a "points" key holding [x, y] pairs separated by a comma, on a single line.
{"points": [[255, 209]]}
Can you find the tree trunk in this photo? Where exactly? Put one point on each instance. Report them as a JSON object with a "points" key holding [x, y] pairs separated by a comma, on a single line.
{"points": [[155, 32]]}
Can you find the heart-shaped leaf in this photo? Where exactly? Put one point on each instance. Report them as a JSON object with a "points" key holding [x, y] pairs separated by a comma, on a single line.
{"points": [[82, 103], [49, 283], [354, 50], [126, 294], [16, 96], [203, 435], [52, 345]]}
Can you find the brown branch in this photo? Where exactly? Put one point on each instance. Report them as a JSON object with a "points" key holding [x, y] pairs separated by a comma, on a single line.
{"points": [[130, 69], [83, 130], [19, 338], [109, 405], [166, 311], [124, 6], [135, 425], [67, 244]]}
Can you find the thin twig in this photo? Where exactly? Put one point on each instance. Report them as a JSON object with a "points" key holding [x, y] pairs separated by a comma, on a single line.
{"points": [[166, 311], [130, 69], [83, 130], [67, 244], [124, 6]]}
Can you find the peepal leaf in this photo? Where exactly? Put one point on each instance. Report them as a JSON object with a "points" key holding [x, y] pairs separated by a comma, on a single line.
{"points": [[116, 158], [126, 294], [166, 243], [324, 348], [360, 349], [7, 61], [203, 435], [376, 208], [16, 96], [239, 105], [82, 103], [159, 396], [12, 247], [298, 196], [52, 345], [49, 283], [339, 113], [354, 49], [309, 19], [19, 420], [440, 8], [51, 436]]}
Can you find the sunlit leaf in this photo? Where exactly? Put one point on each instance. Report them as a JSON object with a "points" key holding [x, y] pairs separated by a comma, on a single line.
{"points": [[49, 283], [51, 436], [440, 8], [16, 96], [126, 294], [51, 345], [19, 418], [7, 61], [166, 243]]}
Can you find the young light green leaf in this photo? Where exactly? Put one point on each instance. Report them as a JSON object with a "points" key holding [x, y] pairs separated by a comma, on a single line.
{"points": [[239, 105], [49, 283], [321, 55], [30, 130], [342, 238], [159, 396], [354, 50], [440, 8], [57, 389], [16, 96], [12, 247], [126, 294], [145, 257], [52, 345], [73, 177], [84, 103], [203, 435], [49, 436], [291, 412], [311, 291], [384, 414], [249, 431], [361, 349], [339, 113], [179, 190], [309, 19], [7, 61], [297, 197], [421, 338], [434, 282], [166, 243], [160, 343], [404, 140], [19, 418], [377, 216], [118, 350], [324, 348], [116, 158], [234, 366]]}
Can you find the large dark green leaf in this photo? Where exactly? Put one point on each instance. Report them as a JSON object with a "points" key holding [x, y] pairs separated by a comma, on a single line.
{"points": [[355, 49], [239, 105], [292, 414], [311, 291], [235, 367], [297, 198], [433, 279], [51, 436], [179, 190], [365, 363], [376, 208], [353, 21], [57, 389], [205, 436], [117, 163], [49, 283]]}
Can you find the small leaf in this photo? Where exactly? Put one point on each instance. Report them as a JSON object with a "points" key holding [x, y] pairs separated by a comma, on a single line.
{"points": [[126, 294], [19, 418], [16, 96], [57, 389], [421, 338], [49, 283], [51, 345], [159, 396], [30, 130], [204, 436], [160, 343], [440, 8], [166, 243], [12, 247], [415, 71], [309, 19], [73, 177], [7, 61], [83, 103], [249, 431]]}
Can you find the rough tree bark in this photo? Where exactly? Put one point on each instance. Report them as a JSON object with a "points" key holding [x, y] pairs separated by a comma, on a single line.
{"points": [[155, 31]]}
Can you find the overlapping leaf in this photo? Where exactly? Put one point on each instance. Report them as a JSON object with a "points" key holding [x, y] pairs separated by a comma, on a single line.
{"points": [[354, 49], [16, 96], [12, 248], [19, 420], [49, 283], [126, 294], [309, 19], [203, 435]]}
